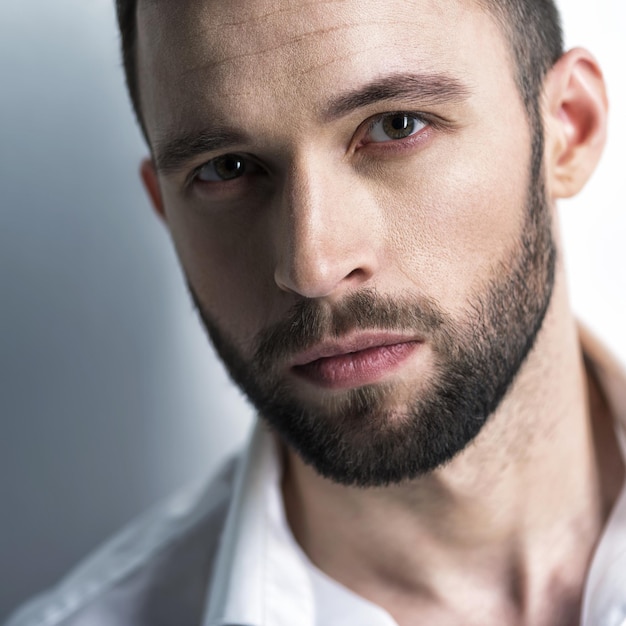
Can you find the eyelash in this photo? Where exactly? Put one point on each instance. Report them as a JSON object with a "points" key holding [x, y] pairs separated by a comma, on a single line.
{"points": [[391, 146], [397, 145], [194, 174]]}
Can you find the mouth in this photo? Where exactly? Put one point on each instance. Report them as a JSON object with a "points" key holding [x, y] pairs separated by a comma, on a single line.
{"points": [[353, 362]]}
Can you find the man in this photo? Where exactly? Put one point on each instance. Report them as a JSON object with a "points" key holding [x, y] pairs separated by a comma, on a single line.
{"points": [[362, 196]]}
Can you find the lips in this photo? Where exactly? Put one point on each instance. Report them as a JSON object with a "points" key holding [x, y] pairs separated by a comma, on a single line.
{"points": [[355, 361]]}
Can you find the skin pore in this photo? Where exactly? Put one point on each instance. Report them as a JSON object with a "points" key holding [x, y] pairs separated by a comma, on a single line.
{"points": [[328, 208]]}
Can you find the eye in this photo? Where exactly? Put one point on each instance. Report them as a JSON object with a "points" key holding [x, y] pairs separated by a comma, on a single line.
{"points": [[395, 126], [223, 168]]}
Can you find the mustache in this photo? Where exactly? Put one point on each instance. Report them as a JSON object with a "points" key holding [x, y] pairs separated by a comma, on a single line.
{"points": [[311, 321]]}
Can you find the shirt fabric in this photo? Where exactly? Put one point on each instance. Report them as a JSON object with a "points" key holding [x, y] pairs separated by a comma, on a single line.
{"points": [[223, 555]]}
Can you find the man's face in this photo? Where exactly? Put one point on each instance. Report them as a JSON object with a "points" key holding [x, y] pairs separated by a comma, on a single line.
{"points": [[349, 189]]}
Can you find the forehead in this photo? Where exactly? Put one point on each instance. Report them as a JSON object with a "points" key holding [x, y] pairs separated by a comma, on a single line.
{"points": [[259, 58]]}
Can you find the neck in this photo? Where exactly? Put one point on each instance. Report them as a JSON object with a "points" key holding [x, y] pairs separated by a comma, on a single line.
{"points": [[510, 523]]}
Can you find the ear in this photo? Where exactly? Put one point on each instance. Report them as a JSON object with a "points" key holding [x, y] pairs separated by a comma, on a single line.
{"points": [[575, 117], [151, 184]]}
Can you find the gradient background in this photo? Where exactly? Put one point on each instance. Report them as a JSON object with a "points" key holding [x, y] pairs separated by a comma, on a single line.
{"points": [[109, 395]]}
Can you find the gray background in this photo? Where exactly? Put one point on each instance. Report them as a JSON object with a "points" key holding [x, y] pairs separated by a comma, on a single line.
{"points": [[109, 395]]}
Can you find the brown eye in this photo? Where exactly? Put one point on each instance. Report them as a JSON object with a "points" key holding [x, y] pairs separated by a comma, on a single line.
{"points": [[227, 167], [395, 126]]}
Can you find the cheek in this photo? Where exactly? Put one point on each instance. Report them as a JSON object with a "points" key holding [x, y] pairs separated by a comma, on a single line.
{"points": [[454, 222], [224, 260]]}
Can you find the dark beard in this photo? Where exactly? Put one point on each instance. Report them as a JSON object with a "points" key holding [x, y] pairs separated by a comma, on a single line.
{"points": [[354, 439]]}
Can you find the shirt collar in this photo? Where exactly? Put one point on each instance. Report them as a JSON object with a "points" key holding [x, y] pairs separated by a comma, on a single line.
{"points": [[604, 600], [250, 586], [261, 576]]}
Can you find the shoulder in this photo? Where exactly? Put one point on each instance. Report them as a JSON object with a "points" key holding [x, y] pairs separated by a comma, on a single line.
{"points": [[156, 568]]}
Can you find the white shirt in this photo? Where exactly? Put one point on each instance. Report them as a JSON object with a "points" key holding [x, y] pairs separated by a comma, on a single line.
{"points": [[224, 555]]}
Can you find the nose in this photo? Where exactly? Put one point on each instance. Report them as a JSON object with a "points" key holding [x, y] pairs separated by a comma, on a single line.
{"points": [[328, 237]]}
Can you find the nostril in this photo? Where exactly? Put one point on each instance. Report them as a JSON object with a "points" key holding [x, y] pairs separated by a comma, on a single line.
{"points": [[355, 273]]}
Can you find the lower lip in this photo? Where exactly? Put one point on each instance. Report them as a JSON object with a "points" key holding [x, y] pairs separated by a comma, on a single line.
{"points": [[356, 368]]}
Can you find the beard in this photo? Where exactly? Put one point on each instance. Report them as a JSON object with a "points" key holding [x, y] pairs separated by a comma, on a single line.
{"points": [[353, 437]]}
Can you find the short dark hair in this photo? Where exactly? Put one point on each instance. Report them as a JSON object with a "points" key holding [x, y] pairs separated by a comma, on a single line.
{"points": [[532, 28]]}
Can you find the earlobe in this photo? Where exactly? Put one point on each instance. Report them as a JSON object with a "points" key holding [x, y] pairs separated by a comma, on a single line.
{"points": [[575, 116], [151, 184]]}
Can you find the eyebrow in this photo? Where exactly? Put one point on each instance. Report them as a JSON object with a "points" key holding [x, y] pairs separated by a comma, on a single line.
{"points": [[427, 88], [172, 152]]}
